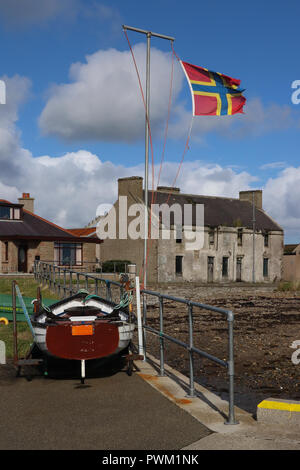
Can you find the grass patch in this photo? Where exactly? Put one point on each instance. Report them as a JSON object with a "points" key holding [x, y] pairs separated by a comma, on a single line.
{"points": [[28, 287], [288, 286], [24, 338]]}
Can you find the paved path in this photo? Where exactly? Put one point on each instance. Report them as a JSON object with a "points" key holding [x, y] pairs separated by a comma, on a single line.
{"points": [[112, 412]]}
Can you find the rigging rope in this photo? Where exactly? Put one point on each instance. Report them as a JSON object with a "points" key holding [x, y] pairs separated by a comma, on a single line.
{"points": [[186, 148]]}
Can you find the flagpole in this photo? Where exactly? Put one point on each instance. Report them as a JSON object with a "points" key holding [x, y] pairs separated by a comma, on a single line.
{"points": [[147, 121], [147, 125], [253, 241]]}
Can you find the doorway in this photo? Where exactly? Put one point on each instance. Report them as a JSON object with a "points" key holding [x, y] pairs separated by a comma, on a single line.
{"points": [[210, 269], [239, 269], [22, 258]]}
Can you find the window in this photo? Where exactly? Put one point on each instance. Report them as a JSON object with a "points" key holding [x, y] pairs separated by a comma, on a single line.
{"points": [[10, 213], [178, 265], [178, 234], [225, 266], [211, 237], [266, 239], [68, 254], [4, 212], [266, 267], [240, 236]]}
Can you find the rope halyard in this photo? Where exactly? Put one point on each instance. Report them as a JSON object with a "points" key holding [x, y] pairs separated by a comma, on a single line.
{"points": [[154, 193]]}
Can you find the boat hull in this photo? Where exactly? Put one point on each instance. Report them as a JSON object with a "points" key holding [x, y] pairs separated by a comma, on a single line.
{"points": [[82, 342], [77, 328], [58, 341]]}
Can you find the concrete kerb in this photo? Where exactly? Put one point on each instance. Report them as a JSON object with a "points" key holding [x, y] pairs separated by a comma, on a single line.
{"points": [[206, 407], [278, 411], [212, 411]]}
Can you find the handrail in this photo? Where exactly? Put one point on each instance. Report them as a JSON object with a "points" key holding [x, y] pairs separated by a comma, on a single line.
{"points": [[229, 364]]}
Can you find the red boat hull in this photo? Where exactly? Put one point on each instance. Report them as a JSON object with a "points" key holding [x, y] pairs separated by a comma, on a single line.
{"points": [[82, 341]]}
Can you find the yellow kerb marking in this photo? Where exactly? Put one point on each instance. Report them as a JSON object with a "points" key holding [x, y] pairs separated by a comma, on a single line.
{"points": [[279, 405]]}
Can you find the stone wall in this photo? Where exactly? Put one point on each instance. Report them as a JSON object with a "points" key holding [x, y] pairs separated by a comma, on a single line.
{"points": [[195, 262], [161, 264], [45, 251]]}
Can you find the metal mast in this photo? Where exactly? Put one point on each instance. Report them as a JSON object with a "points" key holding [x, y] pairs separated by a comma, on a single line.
{"points": [[253, 243], [147, 121]]}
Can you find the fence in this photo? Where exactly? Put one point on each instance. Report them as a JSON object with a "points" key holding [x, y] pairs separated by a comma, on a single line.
{"points": [[67, 281], [57, 279], [92, 266]]}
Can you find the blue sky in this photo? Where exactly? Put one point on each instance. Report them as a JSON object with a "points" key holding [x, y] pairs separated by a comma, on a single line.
{"points": [[69, 131]]}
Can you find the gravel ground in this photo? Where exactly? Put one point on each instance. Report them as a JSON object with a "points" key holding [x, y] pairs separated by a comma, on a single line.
{"points": [[266, 323]]}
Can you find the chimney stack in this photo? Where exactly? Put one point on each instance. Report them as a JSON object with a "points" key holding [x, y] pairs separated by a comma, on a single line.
{"points": [[132, 187], [27, 201], [248, 196]]}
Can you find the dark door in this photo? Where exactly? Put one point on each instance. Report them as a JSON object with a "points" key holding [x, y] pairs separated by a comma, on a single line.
{"points": [[210, 269], [22, 259], [239, 269], [178, 265]]}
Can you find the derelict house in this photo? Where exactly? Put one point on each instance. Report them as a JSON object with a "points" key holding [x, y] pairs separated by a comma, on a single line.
{"points": [[226, 253]]}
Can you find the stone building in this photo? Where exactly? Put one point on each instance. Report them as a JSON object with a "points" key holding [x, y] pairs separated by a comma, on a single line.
{"points": [[25, 236], [291, 263], [229, 240]]}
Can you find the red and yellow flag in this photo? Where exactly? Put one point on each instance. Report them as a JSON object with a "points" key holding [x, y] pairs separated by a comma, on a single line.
{"points": [[213, 94]]}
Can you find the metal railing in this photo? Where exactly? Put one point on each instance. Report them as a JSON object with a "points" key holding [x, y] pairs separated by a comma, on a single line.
{"points": [[62, 280], [92, 266], [229, 364], [67, 281]]}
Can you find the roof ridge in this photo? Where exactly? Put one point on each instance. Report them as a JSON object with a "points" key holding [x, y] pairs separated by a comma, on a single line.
{"points": [[196, 195]]}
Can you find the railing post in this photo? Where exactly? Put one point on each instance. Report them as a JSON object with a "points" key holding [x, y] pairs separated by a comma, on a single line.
{"points": [[144, 325], [161, 338], [108, 291], [231, 415], [54, 279], [58, 272], [65, 287], [191, 354], [71, 283]]}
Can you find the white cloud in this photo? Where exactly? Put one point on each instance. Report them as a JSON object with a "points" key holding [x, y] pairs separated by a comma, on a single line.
{"points": [[16, 13], [273, 166], [103, 100], [69, 188], [281, 200]]}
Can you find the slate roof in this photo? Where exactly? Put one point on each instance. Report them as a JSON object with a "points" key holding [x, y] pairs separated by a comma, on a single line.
{"points": [[34, 227], [221, 211], [290, 249]]}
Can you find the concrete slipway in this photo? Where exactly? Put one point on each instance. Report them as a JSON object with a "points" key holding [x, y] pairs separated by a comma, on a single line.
{"points": [[141, 412]]}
